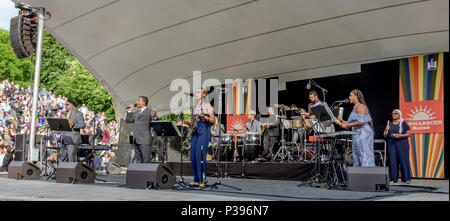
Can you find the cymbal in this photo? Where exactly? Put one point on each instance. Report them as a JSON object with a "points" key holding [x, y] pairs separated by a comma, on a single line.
{"points": [[282, 106]]}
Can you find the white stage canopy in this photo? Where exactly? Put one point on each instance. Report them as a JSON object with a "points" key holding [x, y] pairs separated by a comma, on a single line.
{"points": [[137, 47]]}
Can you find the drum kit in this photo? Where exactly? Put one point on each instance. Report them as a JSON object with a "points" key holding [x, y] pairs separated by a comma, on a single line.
{"points": [[293, 145]]}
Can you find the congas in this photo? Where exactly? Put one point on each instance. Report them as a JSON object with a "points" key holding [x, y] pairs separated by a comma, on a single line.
{"points": [[226, 140], [297, 122], [226, 143], [252, 146], [252, 139]]}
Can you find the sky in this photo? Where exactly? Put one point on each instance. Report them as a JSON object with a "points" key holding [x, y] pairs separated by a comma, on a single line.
{"points": [[7, 10]]}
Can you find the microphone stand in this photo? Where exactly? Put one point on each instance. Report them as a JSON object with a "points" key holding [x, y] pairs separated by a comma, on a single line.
{"points": [[218, 165], [317, 85], [181, 182]]}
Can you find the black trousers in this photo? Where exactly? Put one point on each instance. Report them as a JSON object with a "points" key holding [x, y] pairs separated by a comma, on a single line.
{"points": [[142, 153]]}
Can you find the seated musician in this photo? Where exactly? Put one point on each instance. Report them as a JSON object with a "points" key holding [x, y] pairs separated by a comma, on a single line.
{"points": [[253, 125], [315, 101]]}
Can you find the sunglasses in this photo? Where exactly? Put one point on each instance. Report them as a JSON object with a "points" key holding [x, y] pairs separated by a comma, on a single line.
{"points": [[394, 113]]}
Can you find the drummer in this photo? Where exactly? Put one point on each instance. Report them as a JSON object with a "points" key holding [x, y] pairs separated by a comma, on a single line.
{"points": [[297, 135], [315, 101], [253, 125]]}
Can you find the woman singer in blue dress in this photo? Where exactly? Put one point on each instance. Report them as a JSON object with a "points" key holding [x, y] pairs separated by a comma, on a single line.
{"points": [[203, 117], [360, 121]]}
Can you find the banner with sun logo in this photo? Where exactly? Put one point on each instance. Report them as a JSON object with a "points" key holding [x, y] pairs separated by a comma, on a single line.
{"points": [[422, 105]]}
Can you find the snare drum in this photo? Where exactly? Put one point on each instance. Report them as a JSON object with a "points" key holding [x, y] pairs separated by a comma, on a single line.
{"points": [[296, 122]]}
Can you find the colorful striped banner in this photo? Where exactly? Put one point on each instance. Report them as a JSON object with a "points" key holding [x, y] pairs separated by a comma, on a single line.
{"points": [[421, 79]]}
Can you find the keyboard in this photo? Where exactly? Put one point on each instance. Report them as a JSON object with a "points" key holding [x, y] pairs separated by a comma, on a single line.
{"points": [[340, 133]]}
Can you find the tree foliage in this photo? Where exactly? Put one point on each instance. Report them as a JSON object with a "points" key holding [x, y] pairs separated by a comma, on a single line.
{"points": [[61, 73]]}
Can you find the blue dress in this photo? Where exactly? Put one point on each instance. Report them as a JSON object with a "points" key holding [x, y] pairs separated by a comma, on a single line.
{"points": [[398, 149], [199, 148], [362, 144]]}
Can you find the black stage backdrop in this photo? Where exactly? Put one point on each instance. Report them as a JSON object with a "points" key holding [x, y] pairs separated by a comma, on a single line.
{"points": [[379, 83]]}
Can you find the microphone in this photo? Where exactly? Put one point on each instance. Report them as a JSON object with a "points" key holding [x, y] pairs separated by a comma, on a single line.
{"points": [[308, 86], [342, 101], [134, 105]]}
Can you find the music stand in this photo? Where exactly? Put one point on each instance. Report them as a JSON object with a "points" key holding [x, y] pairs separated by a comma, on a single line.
{"points": [[292, 113], [165, 129], [322, 113], [57, 124]]}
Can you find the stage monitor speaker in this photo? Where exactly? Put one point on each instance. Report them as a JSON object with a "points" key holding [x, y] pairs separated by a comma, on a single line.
{"points": [[23, 170], [113, 168], [74, 172], [368, 179], [154, 175]]}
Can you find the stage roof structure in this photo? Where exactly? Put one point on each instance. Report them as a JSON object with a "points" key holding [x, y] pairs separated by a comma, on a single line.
{"points": [[138, 47]]}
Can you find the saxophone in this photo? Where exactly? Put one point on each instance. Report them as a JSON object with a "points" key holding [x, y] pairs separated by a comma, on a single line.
{"points": [[187, 141], [194, 123]]}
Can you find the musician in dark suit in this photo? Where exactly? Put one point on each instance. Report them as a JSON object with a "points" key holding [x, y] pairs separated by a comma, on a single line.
{"points": [[71, 139], [141, 120], [271, 134]]}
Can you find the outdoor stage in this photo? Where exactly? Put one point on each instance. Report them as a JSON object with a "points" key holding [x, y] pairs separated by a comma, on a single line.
{"points": [[252, 190], [266, 170]]}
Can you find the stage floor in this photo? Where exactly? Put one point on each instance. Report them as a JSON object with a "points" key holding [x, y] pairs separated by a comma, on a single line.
{"points": [[252, 190]]}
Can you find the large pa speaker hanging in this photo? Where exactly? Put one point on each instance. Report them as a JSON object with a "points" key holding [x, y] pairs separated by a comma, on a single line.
{"points": [[22, 34]]}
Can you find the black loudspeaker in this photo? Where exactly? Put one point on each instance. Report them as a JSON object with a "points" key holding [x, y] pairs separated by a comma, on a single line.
{"points": [[368, 178], [23, 36], [23, 170], [20, 149], [74, 172], [21, 146], [113, 168], [156, 175]]}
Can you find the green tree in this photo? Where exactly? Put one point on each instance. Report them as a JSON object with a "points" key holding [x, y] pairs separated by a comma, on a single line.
{"points": [[61, 73], [11, 67]]}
